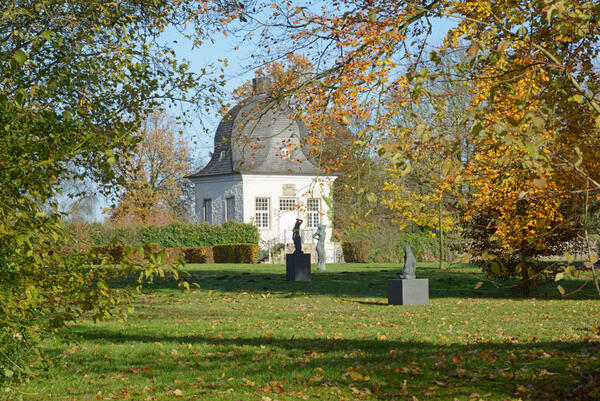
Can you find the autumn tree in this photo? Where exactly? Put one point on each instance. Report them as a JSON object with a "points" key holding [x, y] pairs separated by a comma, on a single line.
{"points": [[534, 115], [419, 147], [78, 78], [153, 187]]}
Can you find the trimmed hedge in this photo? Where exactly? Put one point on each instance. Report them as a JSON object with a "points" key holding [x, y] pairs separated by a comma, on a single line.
{"points": [[114, 253], [152, 247], [174, 235], [356, 251], [173, 255], [199, 254], [235, 253]]}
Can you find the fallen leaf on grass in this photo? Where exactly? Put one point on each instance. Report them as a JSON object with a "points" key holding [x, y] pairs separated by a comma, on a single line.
{"points": [[178, 393], [247, 382], [521, 388], [274, 387], [355, 375]]}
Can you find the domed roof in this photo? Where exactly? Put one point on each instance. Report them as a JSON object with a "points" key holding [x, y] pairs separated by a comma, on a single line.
{"points": [[259, 136]]}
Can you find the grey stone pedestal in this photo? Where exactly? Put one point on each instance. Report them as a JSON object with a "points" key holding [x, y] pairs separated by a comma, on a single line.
{"points": [[297, 266], [408, 291]]}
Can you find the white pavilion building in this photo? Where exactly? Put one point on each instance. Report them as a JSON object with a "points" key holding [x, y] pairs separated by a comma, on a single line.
{"points": [[260, 173]]}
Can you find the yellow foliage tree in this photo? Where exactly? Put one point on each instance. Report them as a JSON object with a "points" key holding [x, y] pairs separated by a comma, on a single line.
{"points": [[153, 188], [534, 119]]}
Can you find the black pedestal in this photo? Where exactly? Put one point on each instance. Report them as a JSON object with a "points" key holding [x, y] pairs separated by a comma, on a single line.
{"points": [[297, 266]]}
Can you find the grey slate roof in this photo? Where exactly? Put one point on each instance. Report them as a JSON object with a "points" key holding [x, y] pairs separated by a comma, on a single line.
{"points": [[252, 137]]}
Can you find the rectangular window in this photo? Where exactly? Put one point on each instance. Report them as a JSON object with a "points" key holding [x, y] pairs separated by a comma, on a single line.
{"points": [[287, 204], [229, 208], [207, 211], [314, 213], [262, 212]]}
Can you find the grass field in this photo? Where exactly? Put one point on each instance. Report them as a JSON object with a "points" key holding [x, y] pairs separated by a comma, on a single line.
{"points": [[243, 333]]}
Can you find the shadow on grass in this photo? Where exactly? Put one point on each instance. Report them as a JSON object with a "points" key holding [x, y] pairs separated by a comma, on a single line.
{"points": [[527, 370], [367, 282]]}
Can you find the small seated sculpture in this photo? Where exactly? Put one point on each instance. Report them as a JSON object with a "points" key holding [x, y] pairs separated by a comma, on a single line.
{"points": [[410, 264], [320, 237], [296, 236]]}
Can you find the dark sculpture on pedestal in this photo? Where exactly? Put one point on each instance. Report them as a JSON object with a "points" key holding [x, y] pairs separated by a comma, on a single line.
{"points": [[296, 236], [320, 237], [410, 264], [297, 264]]}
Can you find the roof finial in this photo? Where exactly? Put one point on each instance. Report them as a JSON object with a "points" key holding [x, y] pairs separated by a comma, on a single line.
{"points": [[261, 85]]}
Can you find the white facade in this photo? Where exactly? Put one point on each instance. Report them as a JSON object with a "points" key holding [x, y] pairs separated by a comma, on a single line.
{"points": [[272, 202], [217, 189]]}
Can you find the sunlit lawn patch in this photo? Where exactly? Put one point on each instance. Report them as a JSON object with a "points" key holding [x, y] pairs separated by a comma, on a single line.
{"points": [[247, 334]]}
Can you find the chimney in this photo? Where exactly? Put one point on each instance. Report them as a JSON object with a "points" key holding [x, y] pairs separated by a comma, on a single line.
{"points": [[261, 85]]}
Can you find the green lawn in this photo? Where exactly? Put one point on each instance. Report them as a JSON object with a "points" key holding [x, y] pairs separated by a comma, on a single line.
{"points": [[243, 333]]}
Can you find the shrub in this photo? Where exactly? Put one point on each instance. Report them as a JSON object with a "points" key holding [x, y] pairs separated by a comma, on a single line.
{"points": [[223, 253], [169, 255], [199, 254], [356, 251], [515, 260], [387, 243], [246, 253], [192, 235], [152, 247], [235, 253], [114, 253], [174, 235], [173, 255]]}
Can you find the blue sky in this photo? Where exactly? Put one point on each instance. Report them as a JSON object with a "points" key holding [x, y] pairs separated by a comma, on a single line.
{"points": [[238, 70], [223, 48]]}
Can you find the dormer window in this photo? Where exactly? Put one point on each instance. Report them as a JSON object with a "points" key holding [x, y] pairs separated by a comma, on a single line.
{"points": [[222, 155]]}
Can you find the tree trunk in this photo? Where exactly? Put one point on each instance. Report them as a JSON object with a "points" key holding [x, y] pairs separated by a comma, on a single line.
{"points": [[441, 233]]}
